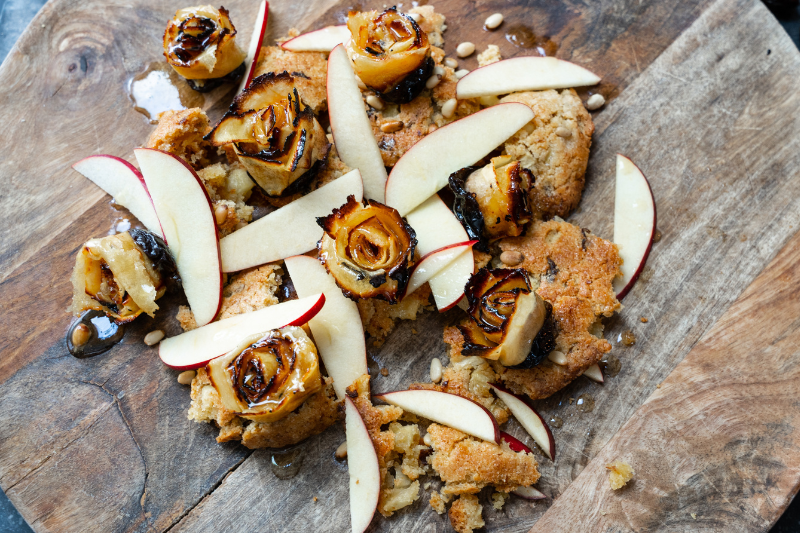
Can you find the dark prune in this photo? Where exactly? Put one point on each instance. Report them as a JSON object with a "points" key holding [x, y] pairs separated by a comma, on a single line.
{"points": [[410, 86], [467, 210], [205, 86], [156, 250]]}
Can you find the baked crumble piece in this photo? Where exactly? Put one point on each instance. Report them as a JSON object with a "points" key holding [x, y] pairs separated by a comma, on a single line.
{"points": [[181, 133], [309, 69], [431, 23], [619, 473], [489, 56], [379, 317], [466, 514]]}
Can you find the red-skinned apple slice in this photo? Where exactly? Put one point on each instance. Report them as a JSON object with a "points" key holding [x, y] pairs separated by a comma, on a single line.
{"points": [[529, 73], [450, 410], [187, 219], [595, 373], [350, 125], [437, 227], [435, 262], [426, 166], [197, 347], [529, 493], [290, 230], [514, 443], [529, 419], [634, 222], [254, 50], [124, 183], [337, 329], [323, 40], [363, 469]]}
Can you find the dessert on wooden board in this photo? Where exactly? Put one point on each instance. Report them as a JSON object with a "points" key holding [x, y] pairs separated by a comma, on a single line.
{"points": [[281, 303]]}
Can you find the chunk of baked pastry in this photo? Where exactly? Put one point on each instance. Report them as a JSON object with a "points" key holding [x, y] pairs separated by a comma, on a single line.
{"points": [[181, 133], [309, 69]]}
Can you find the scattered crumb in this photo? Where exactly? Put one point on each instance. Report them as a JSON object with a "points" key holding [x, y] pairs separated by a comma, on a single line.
{"points": [[414, 331], [658, 386], [694, 516], [438, 502], [619, 473], [603, 513], [315, 499], [465, 514], [489, 56], [499, 499], [643, 320], [571, 400], [427, 485], [384, 371]]}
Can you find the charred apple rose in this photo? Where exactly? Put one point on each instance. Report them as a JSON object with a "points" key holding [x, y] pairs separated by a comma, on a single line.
{"points": [[267, 376], [121, 275], [492, 202], [274, 134], [367, 248], [509, 322], [390, 54], [200, 44]]}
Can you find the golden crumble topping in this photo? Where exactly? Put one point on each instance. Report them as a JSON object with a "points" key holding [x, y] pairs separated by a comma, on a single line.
{"points": [[181, 133]]}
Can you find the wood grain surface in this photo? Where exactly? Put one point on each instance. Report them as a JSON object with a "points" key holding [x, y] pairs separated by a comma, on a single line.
{"points": [[702, 95]]}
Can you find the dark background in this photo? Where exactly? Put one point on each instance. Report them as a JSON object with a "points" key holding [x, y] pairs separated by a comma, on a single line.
{"points": [[15, 16]]}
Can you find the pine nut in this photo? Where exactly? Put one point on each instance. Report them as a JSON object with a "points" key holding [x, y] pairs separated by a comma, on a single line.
{"points": [[511, 258], [449, 108], [461, 73], [596, 101], [433, 81], [220, 214], [375, 102], [564, 132], [361, 84], [416, 16], [391, 126], [341, 451], [438, 70], [436, 370], [557, 357], [465, 49], [154, 337], [185, 378], [427, 440], [450, 62], [493, 21], [489, 101], [81, 335]]}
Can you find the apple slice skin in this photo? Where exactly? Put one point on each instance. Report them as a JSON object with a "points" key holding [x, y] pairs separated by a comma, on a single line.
{"points": [[254, 51], [629, 285], [146, 153], [425, 168], [508, 398], [419, 277], [322, 40], [350, 125], [514, 443], [595, 373], [92, 167], [528, 73], [170, 355], [363, 469], [433, 400]]}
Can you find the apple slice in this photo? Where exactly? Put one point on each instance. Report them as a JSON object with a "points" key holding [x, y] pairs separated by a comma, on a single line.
{"points": [[352, 131], [323, 40], [634, 222], [595, 373], [197, 347], [187, 219], [530, 73], [426, 166], [337, 329], [363, 469], [514, 443], [124, 183], [290, 230], [532, 421], [436, 228], [451, 410], [256, 40], [434, 262], [529, 493]]}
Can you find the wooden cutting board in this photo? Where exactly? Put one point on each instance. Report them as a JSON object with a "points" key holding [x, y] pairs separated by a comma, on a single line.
{"points": [[702, 94]]}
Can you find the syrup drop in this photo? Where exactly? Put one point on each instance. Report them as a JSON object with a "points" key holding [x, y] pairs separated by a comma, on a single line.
{"points": [[611, 365], [286, 465], [159, 88], [585, 403], [555, 421], [103, 334]]}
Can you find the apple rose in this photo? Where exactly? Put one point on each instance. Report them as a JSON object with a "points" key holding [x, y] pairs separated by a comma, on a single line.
{"points": [[267, 376], [367, 248], [121, 275], [274, 134], [200, 44], [492, 202], [509, 322], [390, 53]]}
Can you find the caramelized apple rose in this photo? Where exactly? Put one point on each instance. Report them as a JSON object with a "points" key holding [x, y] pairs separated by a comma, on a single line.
{"points": [[121, 275], [367, 248], [267, 376], [492, 202], [200, 44], [509, 322], [390, 53], [274, 134]]}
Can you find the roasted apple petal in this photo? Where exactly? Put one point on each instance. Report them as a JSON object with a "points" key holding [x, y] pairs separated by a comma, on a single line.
{"points": [[267, 376]]}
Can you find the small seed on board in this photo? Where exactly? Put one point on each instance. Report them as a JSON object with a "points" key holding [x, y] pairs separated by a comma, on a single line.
{"points": [[220, 214], [436, 370], [392, 126], [341, 451], [450, 62], [511, 258], [154, 337], [433, 81], [465, 49], [449, 108], [374, 102], [185, 378], [461, 73], [493, 21], [596, 101]]}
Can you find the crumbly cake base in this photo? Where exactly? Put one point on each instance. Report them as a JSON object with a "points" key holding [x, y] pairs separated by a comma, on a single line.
{"points": [[181, 133]]}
